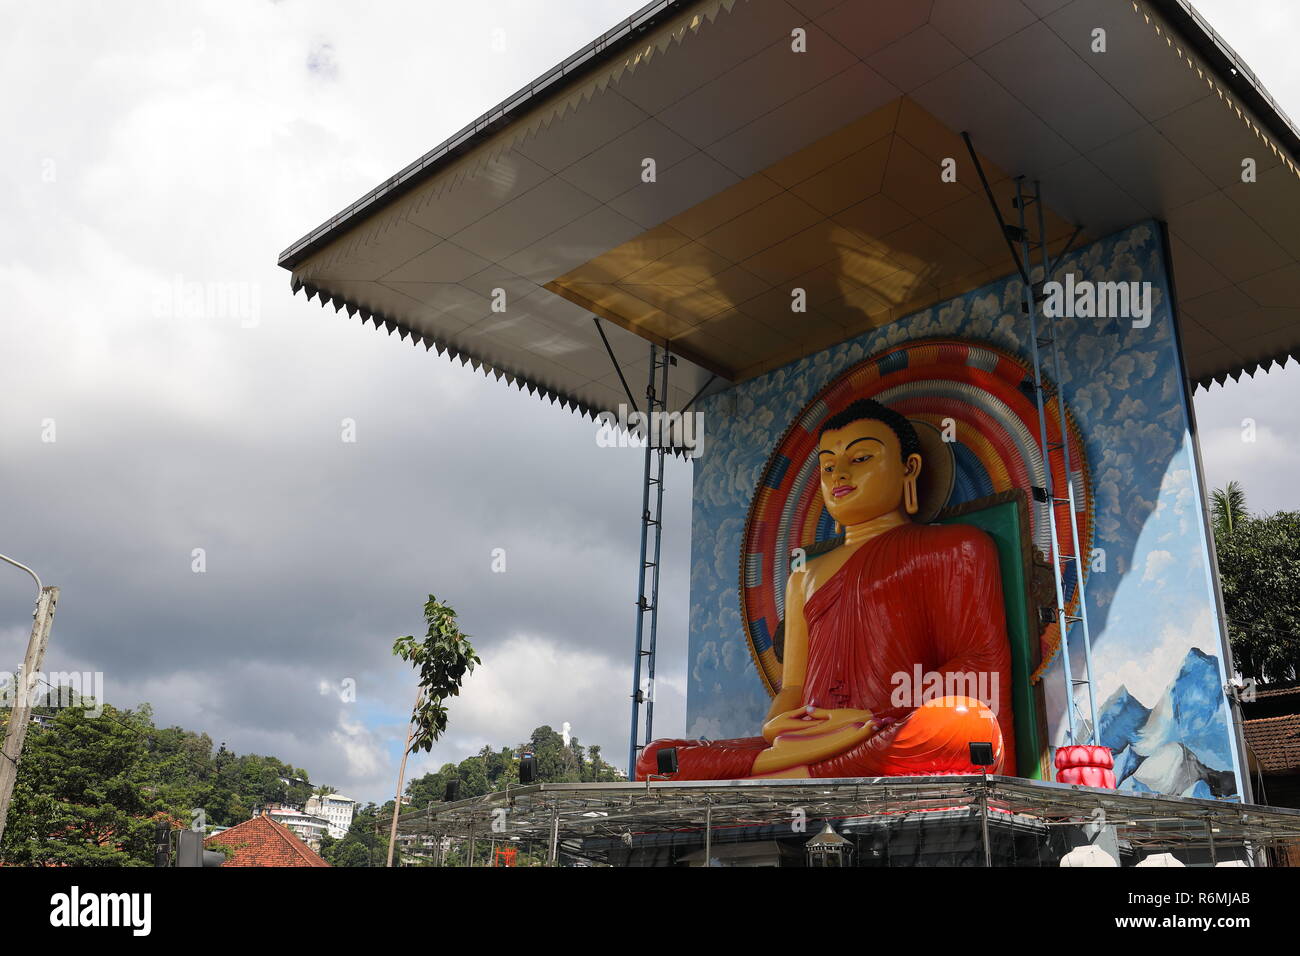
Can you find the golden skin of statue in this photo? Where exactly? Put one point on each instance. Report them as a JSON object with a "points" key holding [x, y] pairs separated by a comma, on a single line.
{"points": [[869, 489]]}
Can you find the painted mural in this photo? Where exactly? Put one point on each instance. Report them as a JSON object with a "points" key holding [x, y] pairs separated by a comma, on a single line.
{"points": [[1156, 646]]}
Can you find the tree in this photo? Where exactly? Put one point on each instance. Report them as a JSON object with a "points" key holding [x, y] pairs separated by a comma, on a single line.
{"points": [[473, 778], [556, 762], [1259, 571], [364, 844], [432, 787], [90, 789], [600, 772], [1227, 509], [83, 795], [443, 659], [351, 853]]}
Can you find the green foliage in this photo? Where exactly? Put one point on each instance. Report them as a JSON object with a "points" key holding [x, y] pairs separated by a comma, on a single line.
{"points": [[493, 770], [217, 847], [83, 795], [91, 789], [226, 786], [1259, 570], [443, 659], [366, 842], [1227, 509]]}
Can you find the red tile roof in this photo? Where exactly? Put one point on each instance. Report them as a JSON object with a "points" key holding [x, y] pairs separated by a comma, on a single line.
{"points": [[262, 841], [1275, 741]]}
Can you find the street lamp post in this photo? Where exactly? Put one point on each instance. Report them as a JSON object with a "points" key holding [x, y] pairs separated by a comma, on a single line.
{"points": [[21, 711]]}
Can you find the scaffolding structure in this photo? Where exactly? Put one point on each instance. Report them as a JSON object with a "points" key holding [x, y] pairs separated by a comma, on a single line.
{"points": [[609, 823], [652, 509], [1025, 244], [1042, 337]]}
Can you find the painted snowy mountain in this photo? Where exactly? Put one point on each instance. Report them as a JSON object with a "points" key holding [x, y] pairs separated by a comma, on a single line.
{"points": [[1121, 720], [1179, 746]]}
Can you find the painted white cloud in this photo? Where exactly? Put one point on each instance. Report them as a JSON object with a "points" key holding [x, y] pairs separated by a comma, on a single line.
{"points": [[1156, 564]]}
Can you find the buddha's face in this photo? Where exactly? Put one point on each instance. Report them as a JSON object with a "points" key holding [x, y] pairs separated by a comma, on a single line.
{"points": [[862, 471]]}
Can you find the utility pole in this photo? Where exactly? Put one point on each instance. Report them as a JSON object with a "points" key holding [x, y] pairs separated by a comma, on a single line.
{"points": [[20, 714]]}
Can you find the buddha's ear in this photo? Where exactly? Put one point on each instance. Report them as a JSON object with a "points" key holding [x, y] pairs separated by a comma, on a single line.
{"points": [[911, 494]]}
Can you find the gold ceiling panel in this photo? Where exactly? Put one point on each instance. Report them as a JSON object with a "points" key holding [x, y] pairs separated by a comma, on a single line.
{"points": [[875, 216], [764, 225], [632, 255], [856, 304], [841, 144], [848, 182], [860, 221], [737, 284], [689, 264], [803, 252], [689, 303], [726, 206]]}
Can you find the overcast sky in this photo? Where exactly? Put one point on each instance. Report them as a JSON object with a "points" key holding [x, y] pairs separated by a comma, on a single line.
{"points": [[155, 145]]}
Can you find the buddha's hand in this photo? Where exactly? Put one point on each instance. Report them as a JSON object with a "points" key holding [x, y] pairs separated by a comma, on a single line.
{"points": [[813, 721], [789, 720], [807, 735]]}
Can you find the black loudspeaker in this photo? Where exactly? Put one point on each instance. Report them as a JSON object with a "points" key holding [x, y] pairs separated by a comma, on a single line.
{"points": [[453, 791], [667, 760], [528, 769], [981, 754]]}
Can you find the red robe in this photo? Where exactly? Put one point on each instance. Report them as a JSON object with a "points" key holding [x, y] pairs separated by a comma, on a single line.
{"points": [[927, 595]]}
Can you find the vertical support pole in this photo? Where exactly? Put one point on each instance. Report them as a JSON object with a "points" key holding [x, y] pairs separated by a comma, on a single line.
{"points": [[984, 819], [1063, 425], [471, 847], [1209, 836], [654, 404], [20, 714], [1023, 260], [554, 855], [708, 833], [1054, 545], [657, 403]]}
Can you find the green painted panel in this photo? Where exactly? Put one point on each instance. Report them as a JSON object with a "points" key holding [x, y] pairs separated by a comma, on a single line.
{"points": [[1004, 521]]}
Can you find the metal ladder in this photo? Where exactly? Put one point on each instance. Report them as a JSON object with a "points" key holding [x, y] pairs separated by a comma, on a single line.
{"points": [[1042, 336], [651, 528]]}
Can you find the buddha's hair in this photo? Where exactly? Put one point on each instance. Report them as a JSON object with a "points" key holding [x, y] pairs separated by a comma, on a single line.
{"points": [[868, 409]]}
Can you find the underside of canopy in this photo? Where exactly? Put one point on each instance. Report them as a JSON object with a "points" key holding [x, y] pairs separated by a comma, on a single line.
{"points": [[699, 167]]}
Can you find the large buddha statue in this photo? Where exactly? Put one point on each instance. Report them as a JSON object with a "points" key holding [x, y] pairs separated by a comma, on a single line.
{"points": [[895, 600]]}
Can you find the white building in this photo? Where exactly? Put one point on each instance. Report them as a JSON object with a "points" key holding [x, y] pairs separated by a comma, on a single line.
{"points": [[336, 809], [308, 826]]}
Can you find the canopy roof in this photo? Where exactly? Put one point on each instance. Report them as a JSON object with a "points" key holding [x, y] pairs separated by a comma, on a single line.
{"points": [[819, 170]]}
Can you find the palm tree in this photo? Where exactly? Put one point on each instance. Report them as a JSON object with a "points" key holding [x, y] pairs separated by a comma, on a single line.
{"points": [[1228, 509]]}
